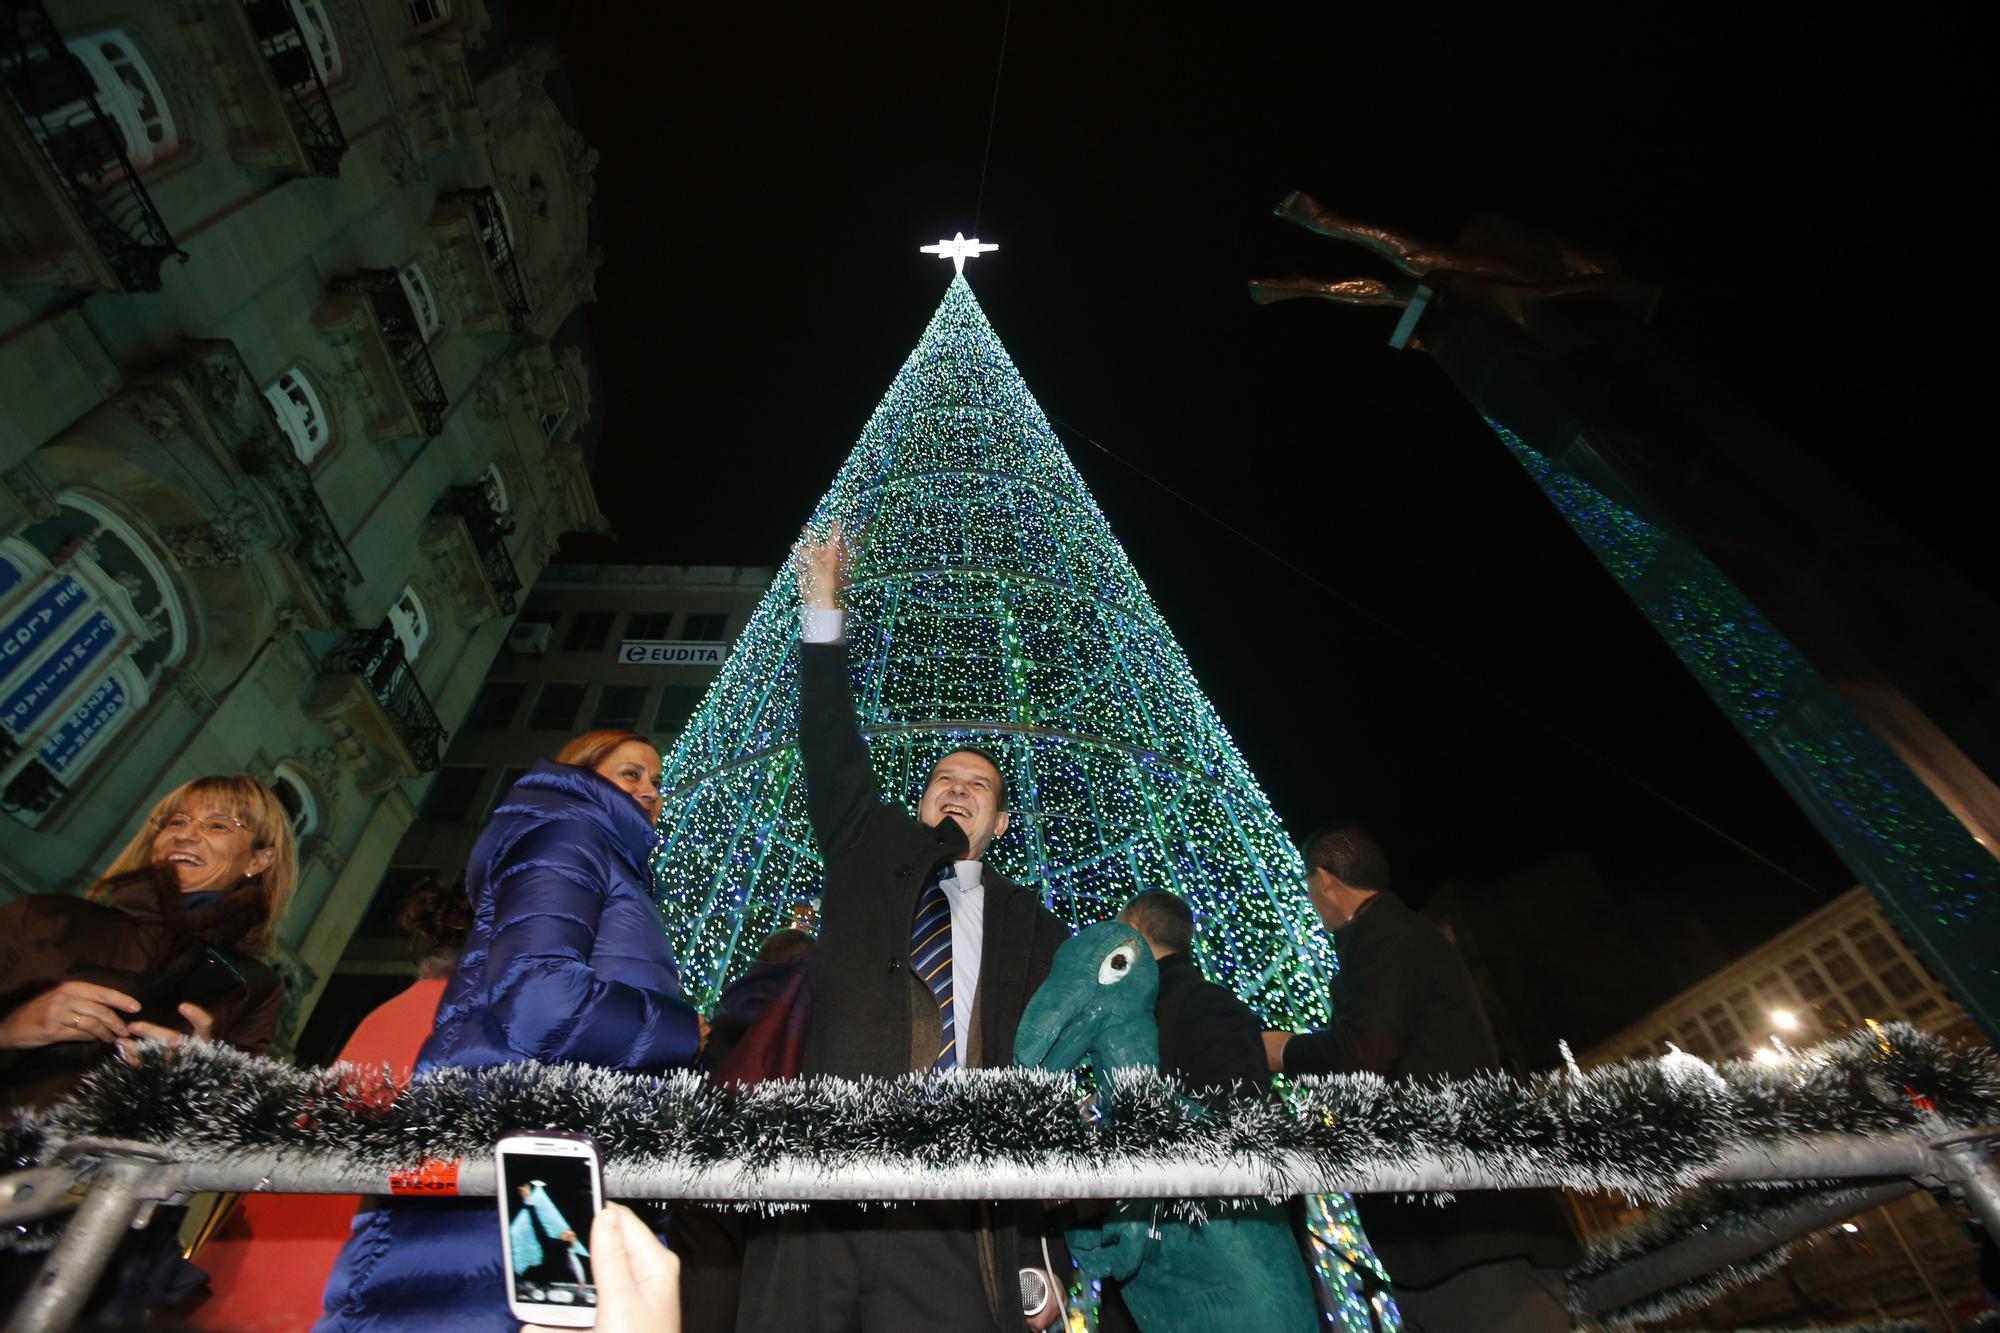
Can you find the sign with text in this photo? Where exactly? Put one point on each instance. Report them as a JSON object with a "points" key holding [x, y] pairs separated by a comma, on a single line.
{"points": [[43, 685], [671, 652], [27, 628], [85, 725]]}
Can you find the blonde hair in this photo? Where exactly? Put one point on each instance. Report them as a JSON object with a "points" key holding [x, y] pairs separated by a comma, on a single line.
{"points": [[270, 827], [589, 749]]}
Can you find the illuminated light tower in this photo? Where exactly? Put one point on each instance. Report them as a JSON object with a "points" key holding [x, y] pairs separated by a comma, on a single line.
{"points": [[991, 605]]}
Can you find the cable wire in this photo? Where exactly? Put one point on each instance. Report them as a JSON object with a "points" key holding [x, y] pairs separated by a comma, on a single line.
{"points": [[1442, 659], [992, 117]]}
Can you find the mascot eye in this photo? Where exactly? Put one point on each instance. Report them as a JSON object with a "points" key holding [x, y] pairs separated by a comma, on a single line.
{"points": [[1118, 966]]}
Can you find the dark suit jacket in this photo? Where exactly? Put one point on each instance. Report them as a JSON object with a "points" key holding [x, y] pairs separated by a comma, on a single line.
{"points": [[866, 997], [1404, 1006], [1209, 1039]]}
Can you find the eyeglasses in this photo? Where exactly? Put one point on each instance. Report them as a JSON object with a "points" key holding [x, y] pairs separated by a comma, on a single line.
{"points": [[216, 825]]}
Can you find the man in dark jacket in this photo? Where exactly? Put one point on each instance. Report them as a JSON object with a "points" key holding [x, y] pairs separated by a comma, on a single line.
{"points": [[1404, 1007], [887, 1002], [1209, 1040]]}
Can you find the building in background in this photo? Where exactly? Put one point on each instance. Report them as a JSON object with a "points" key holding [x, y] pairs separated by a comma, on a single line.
{"points": [[633, 647], [1841, 967], [293, 403]]}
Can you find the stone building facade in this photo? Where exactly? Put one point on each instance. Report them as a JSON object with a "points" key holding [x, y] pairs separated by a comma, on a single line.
{"points": [[294, 403]]}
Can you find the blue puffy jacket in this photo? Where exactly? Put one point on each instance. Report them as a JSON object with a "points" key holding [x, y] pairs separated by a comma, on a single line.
{"points": [[567, 961]]}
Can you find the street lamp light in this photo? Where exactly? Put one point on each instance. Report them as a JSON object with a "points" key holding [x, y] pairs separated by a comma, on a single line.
{"points": [[1785, 1019]]}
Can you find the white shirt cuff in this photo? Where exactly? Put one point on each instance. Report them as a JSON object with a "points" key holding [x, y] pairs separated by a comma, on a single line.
{"points": [[822, 626]]}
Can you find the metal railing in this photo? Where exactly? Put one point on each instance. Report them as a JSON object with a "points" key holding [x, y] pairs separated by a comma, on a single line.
{"points": [[379, 660], [82, 146], [489, 537], [307, 103], [124, 1177], [498, 243], [404, 335]]}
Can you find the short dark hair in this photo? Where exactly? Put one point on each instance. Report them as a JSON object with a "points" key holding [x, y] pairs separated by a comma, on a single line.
{"points": [[1000, 797], [1163, 918], [783, 945], [1350, 854]]}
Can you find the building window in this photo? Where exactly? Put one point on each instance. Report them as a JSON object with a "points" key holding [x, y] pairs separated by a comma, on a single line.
{"points": [[296, 405], [705, 626], [450, 798], [316, 27], [1839, 964], [410, 623], [428, 13], [677, 705], [93, 620], [1872, 945], [649, 624], [1867, 1001], [494, 708], [422, 304], [508, 777], [556, 706], [295, 794], [494, 487], [619, 706], [588, 631], [1805, 978], [127, 93], [1901, 982], [535, 616]]}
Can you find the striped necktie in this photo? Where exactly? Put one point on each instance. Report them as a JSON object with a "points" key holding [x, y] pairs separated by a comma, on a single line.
{"points": [[930, 952]]}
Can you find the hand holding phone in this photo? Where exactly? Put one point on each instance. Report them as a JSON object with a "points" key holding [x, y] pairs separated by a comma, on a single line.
{"points": [[551, 1187], [638, 1279]]}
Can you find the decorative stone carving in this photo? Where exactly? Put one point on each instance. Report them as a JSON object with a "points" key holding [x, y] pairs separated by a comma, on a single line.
{"points": [[532, 62], [581, 160], [399, 159], [151, 409], [30, 491], [586, 275], [226, 538], [188, 688]]}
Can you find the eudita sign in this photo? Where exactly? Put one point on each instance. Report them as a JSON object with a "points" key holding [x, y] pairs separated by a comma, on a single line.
{"points": [[666, 652]]}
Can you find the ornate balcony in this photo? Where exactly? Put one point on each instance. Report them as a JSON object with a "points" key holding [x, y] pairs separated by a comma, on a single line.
{"points": [[473, 229], [376, 334], [470, 506], [73, 212], [368, 697], [295, 128]]}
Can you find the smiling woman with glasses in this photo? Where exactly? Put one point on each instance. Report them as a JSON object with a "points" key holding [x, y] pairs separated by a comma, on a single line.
{"points": [[165, 946]]}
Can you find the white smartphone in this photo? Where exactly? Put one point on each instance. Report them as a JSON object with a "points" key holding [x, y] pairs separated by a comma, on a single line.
{"points": [[551, 1186]]}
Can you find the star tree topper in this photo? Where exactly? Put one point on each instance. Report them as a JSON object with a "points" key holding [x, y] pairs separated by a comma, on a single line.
{"points": [[958, 250]]}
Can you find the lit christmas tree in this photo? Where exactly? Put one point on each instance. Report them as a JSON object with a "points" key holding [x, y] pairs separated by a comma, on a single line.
{"points": [[991, 605]]}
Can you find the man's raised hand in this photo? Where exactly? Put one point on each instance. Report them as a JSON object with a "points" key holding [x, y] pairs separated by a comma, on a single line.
{"points": [[821, 566]]}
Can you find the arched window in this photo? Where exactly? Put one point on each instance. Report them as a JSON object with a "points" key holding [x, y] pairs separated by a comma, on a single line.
{"points": [[418, 288], [128, 93], [316, 27], [428, 13], [296, 795], [296, 404], [410, 622], [552, 421], [494, 487], [91, 621]]}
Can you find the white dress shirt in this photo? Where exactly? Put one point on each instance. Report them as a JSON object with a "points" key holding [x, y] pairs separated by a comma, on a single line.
{"points": [[963, 890]]}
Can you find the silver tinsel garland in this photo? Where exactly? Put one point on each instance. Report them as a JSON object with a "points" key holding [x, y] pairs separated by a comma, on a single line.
{"points": [[1646, 1128]]}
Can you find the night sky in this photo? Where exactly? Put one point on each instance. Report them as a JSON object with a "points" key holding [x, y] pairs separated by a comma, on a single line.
{"points": [[1451, 666]]}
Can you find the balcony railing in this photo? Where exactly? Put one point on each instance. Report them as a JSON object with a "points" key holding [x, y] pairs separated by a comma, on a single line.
{"points": [[398, 326], [499, 246], [82, 147], [489, 538], [377, 658], [299, 84]]}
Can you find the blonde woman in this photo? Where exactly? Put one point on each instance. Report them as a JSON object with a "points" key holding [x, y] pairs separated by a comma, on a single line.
{"points": [[165, 946]]}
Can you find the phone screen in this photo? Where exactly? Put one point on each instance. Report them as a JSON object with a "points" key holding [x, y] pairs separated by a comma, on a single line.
{"points": [[547, 1202]]}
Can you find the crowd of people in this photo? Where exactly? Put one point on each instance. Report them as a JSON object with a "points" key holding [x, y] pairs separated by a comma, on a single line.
{"points": [[553, 950]]}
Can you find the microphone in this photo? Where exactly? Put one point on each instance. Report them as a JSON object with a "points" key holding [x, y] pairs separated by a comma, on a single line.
{"points": [[1035, 1292]]}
